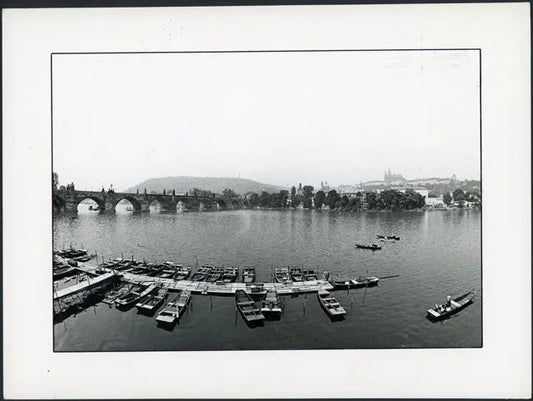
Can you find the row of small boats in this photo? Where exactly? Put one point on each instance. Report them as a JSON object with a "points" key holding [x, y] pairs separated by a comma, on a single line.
{"points": [[65, 261], [270, 306], [286, 274], [206, 273], [148, 298]]}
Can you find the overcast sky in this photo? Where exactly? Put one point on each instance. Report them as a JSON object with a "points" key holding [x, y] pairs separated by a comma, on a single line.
{"points": [[277, 118]]}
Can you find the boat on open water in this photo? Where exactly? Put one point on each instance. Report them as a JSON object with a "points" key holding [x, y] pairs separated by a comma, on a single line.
{"points": [[391, 237], [332, 307], [373, 247], [451, 306], [250, 312]]}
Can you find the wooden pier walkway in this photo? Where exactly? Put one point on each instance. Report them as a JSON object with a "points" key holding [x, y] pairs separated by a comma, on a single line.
{"points": [[208, 288], [88, 284]]}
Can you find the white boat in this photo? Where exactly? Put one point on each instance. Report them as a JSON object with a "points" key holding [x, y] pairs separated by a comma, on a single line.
{"points": [[183, 301], [451, 306], [271, 304], [174, 308], [332, 307]]}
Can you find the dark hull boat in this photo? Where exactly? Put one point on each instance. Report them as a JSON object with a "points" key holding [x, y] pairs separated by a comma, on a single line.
{"points": [[372, 247], [451, 306], [247, 307], [391, 237], [310, 275], [215, 275], [230, 275], [182, 273], [296, 274], [330, 305], [358, 282]]}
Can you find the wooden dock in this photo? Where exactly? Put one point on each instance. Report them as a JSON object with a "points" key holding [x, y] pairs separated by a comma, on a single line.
{"points": [[196, 287], [206, 288], [88, 284]]}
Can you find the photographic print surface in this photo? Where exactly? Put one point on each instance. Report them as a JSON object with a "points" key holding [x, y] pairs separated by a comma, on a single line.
{"points": [[267, 200]]}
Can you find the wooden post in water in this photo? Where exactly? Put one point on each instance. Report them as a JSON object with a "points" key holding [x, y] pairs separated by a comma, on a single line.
{"points": [[211, 301]]}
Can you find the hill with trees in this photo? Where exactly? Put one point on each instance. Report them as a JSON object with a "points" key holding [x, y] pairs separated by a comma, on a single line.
{"points": [[240, 186]]}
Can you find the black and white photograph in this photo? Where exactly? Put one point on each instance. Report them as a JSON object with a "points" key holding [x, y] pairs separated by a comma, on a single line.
{"points": [[287, 200], [265, 202]]}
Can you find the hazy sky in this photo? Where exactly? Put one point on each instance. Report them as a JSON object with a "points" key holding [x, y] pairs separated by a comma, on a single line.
{"points": [[278, 118]]}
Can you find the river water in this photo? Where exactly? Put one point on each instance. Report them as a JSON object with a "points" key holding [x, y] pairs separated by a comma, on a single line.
{"points": [[439, 254]]}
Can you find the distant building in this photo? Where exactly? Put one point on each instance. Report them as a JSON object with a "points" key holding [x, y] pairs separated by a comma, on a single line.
{"points": [[347, 189], [300, 190], [435, 202], [324, 187], [432, 181], [393, 178]]}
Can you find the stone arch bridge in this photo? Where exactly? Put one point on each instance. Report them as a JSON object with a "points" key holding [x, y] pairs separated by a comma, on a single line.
{"points": [[68, 201]]}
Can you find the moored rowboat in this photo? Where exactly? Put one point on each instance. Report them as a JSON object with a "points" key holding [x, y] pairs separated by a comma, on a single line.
{"points": [[248, 274], [249, 310], [271, 305], [332, 307], [358, 282], [152, 302], [281, 275]]}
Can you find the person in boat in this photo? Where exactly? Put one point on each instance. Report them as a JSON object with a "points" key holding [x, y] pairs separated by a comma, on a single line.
{"points": [[448, 301]]}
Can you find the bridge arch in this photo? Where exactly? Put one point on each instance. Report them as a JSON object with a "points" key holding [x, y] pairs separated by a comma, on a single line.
{"points": [[134, 202], [99, 202], [155, 206]]}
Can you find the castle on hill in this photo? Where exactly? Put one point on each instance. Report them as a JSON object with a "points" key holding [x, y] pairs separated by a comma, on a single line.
{"points": [[393, 178]]}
